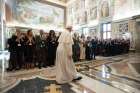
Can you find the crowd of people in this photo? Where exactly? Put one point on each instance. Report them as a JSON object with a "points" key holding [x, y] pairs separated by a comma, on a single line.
{"points": [[29, 51], [88, 48]]}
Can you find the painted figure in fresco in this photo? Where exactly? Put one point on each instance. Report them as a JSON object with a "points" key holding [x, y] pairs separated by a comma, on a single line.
{"points": [[93, 9], [93, 13], [105, 9]]}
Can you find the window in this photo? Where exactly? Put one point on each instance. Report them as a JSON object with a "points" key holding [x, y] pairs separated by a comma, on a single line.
{"points": [[106, 31]]}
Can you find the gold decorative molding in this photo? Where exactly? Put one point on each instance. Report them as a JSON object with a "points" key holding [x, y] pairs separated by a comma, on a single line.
{"points": [[53, 88]]}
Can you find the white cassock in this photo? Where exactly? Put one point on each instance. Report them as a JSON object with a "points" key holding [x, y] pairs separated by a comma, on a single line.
{"points": [[65, 68]]}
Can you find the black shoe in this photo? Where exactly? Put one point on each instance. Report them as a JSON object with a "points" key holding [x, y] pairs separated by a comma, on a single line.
{"points": [[9, 69], [17, 69], [78, 78], [39, 67]]}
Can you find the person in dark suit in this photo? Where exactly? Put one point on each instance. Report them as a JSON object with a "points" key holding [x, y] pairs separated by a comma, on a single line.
{"points": [[52, 46], [41, 49], [11, 44], [76, 48], [94, 48], [88, 49]]}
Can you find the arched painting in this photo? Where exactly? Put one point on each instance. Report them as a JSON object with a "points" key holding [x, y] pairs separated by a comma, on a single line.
{"points": [[105, 9]]}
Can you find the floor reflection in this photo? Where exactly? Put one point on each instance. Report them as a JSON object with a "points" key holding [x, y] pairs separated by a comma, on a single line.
{"points": [[127, 67], [122, 69], [121, 72]]}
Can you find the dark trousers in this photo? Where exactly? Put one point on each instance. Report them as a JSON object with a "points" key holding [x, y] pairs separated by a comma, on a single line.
{"points": [[20, 58], [51, 56], [41, 57], [29, 55], [12, 61], [76, 53], [88, 53], [93, 53]]}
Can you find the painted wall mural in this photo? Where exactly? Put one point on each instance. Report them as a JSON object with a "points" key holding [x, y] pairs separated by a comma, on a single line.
{"points": [[137, 4], [85, 11], [93, 13], [77, 13], [119, 6], [105, 9], [96, 9], [0, 24], [126, 8], [33, 12], [92, 9]]}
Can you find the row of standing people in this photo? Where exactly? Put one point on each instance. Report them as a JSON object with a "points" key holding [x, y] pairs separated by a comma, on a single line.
{"points": [[88, 48], [81, 48], [28, 51]]}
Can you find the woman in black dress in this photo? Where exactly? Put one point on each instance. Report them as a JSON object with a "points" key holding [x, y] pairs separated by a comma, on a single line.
{"points": [[30, 45], [52, 46], [19, 48]]}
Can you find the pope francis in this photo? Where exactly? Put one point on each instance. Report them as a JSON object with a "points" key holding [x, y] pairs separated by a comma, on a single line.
{"points": [[65, 68]]}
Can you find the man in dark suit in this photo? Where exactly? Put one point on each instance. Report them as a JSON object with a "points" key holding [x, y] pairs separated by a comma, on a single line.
{"points": [[41, 49], [13, 55], [94, 47]]}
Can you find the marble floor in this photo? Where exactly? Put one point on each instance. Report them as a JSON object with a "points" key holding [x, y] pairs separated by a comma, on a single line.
{"points": [[117, 74]]}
